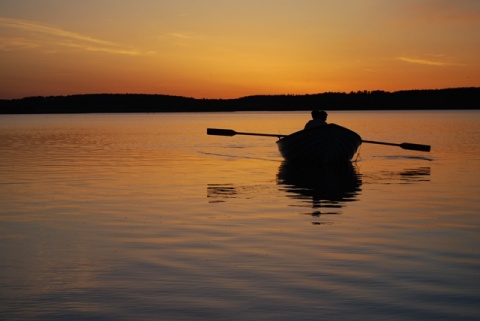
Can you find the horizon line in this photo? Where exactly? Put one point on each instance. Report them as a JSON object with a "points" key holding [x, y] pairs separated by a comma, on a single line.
{"points": [[253, 95]]}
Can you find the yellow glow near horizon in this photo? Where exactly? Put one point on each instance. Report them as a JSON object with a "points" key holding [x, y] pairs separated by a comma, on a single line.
{"points": [[221, 49]]}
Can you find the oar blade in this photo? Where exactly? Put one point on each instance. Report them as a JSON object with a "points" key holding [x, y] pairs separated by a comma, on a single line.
{"points": [[221, 132], [419, 147]]}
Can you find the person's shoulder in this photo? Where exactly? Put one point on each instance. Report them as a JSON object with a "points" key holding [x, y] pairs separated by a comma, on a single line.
{"points": [[310, 123], [315, 123]]}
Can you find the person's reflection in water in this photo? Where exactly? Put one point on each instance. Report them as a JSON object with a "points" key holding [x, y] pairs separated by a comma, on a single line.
{"points": [[327, 190]]}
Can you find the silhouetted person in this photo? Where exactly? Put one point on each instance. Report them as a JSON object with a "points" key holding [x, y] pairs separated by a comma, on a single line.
{"points": [[319, 119]]}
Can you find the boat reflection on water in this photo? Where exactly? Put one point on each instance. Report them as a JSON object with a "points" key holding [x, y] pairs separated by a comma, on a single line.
{"points": [[325, 190], [317, 191]]}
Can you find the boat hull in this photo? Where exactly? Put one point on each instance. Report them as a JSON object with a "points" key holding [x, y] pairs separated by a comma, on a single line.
{"points": [[324, 145]]}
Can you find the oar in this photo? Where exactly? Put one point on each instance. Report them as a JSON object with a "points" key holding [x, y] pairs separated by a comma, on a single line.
{"points": [[231, 132], [419, 147]]}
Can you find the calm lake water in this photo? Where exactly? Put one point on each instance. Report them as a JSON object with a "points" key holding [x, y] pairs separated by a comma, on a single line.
{"points": [[145, 217]]}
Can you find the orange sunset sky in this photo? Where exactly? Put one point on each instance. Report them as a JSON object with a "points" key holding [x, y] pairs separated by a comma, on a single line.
{"points": [[230, 49]]}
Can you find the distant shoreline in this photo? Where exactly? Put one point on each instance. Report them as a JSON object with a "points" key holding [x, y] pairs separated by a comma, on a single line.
{"points": [[424, 99]]}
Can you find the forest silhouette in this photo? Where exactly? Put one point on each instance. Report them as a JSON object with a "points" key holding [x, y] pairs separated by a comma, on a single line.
{"points": [[434, 99]]}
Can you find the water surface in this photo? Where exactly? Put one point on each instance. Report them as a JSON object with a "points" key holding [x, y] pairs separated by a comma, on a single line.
{"points": [[145, 217]]}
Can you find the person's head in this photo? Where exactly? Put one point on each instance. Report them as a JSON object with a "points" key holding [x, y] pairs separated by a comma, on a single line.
{"points": [[319, 114]]}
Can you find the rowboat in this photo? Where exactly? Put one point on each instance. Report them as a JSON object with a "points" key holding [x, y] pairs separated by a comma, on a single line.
{"points": [[323, 145]]}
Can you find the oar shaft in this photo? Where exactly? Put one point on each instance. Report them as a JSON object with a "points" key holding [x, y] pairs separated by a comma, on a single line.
{"points": [[410, 146], [231, 132], [259, 134], [379, 143]]}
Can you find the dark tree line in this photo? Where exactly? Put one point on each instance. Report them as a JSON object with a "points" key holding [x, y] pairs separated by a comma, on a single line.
{"points": [[438, 99]]}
